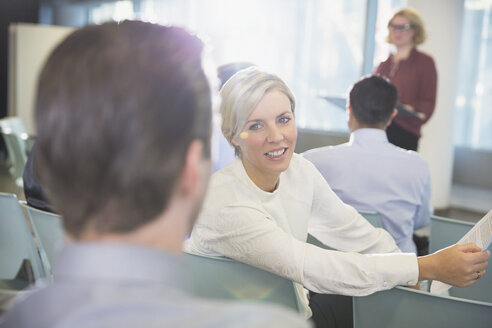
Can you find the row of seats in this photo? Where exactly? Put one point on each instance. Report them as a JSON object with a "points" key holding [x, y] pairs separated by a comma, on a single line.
{"points": [[19, 251], [408, 308], [223, 278], [399, 307], [404, 307], [445, 232], [25, 258], [18, 144]]}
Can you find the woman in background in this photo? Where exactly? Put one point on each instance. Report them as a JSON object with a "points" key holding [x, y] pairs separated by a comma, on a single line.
{"points": [[258, 208], [414, 75]]}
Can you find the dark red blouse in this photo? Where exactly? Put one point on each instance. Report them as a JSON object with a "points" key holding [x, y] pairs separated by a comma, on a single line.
{"points": [[415, 79]]}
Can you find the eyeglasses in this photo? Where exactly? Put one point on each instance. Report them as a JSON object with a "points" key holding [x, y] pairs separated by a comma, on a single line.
{"points": [[404, 27]]}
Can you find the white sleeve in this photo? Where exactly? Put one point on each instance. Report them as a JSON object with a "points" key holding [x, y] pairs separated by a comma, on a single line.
{"points": [[246, 234]]}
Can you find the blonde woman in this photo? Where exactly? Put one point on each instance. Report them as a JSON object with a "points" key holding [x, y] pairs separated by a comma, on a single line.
{"points": [[414, 75], [259, 209]]}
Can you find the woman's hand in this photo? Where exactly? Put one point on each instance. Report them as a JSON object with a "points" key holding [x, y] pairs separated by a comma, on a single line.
{"points": [[457, 265], [411, 109]]}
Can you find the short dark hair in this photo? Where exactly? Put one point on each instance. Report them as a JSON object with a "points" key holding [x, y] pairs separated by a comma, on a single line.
{"points": [[373, 100], [117, 107]]}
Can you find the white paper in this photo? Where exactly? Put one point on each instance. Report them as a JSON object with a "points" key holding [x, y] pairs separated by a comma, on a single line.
{"points": [[480, 235], [487, 244]]}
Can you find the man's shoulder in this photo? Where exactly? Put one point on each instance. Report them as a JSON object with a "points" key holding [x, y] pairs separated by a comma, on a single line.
{"points": [[42, 309], [192, 312], [414, 166], [408, 155], [320, 153], [302, 166]]}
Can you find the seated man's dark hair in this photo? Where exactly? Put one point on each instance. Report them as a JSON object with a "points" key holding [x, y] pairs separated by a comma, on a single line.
{"points": [[117, 107], [373, 100]]}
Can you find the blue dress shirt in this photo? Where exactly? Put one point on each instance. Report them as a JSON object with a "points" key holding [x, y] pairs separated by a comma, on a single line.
{"points": [[371, 174]]}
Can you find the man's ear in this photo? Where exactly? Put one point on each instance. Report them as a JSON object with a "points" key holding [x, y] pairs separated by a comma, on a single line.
{"points": [[391, 117], [349, 110], [350, 118], [196, 169]]}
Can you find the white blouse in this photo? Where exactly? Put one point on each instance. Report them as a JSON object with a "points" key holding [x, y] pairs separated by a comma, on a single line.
{"points": [[269, 230]]}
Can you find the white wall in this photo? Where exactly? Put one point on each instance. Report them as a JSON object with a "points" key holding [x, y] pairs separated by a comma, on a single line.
{"points": [[29, 46], [443, 21]]}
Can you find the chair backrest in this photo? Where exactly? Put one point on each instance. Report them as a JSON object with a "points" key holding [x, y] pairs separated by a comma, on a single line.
{"points": [[445, 232], [16, 241], [373, 217], [12, 124], [403, 307], [222, 278], [48, 229], [15, 136]]}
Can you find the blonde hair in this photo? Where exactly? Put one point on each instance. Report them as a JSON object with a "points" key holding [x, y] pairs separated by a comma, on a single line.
{"points": [[415, 21], [240, 96]]}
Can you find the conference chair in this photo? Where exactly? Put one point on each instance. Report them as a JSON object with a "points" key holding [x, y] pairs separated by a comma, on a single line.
{"points": [[18, 251], [48, 230], [408, 308], [373, 217], [17, 142], [227, 279], [445, 232]]}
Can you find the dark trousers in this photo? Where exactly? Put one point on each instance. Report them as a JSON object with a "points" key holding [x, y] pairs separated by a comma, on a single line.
{"points": [[401, 137], [333, 311], [422, 243]]}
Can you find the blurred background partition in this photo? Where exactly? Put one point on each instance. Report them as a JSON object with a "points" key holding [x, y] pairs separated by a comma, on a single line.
{"points": [[29, 46]]}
